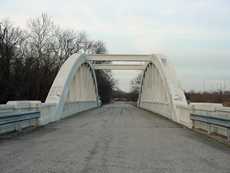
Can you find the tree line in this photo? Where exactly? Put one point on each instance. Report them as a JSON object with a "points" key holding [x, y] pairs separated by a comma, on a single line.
{"points": [[209, 97], [31, 58]]}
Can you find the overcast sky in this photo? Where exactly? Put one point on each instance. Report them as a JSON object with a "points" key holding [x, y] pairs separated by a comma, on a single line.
{"points": [[194, 35]]}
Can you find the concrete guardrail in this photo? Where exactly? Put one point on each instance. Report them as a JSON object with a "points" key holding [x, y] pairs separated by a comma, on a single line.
{"points": [[211, 118], [16, 115]]}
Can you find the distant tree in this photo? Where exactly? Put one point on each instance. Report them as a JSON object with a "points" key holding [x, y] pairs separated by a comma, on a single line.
{"points": [[99, 47], [136, 82], [105, 86], [135, 87]]}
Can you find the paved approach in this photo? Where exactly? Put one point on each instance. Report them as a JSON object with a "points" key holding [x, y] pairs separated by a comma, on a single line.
{"points": [[117, 138]]}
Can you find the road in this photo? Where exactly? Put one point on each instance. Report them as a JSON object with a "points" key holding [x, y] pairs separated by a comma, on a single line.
{"points": [[116, 138]]}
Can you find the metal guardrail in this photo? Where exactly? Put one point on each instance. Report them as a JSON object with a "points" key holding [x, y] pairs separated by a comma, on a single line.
{"points": [[211, 120], [12, 121]]}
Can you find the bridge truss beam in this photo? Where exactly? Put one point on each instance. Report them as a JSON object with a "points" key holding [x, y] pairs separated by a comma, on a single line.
{"points": [[119, 67], [120, 57]]}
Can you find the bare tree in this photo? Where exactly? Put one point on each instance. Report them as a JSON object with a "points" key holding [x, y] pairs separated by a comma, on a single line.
{"points": [[136, 82], [41, 36], [30, 60], [135, 88], [10, 39], [67, 43]]}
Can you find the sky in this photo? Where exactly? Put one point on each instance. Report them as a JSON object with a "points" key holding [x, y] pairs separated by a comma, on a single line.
{"points": [[194, 35]]}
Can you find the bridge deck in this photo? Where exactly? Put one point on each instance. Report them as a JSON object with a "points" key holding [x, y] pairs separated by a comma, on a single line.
{"points": [[115, 138]]}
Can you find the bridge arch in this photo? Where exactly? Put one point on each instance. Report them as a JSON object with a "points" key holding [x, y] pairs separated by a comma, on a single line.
{"points": [[75, 87], [155, 92], [74, 84], [161, 92]]}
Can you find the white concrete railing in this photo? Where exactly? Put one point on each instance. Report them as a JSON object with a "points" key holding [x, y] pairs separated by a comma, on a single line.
{"points": [[47, 110], [157, 107], [20, 106], [212, 118], [16, 115], [75, 107], [162, 108], [211, 109], [183, 115]]}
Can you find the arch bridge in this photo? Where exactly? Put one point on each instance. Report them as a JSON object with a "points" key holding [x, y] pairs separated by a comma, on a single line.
{"points": [[75, 86], [117, 137]]}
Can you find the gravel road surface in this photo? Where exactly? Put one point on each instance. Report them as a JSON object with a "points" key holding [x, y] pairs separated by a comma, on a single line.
{"points": [[117, 138]]}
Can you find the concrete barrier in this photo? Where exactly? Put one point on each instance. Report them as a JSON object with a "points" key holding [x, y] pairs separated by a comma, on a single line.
{"points": [[157, 107], [75, 107], [48, 110], [182, 111], [20, 106], [16, 115], [183, 115], [212, 118], [47, 113]]}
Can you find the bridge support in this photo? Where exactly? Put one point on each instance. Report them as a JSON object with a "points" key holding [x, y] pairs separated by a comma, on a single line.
{"points": [[74, 90], [161, 93]]}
